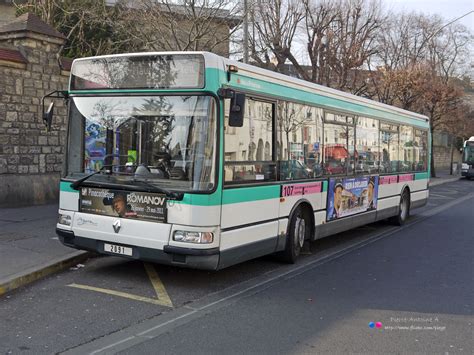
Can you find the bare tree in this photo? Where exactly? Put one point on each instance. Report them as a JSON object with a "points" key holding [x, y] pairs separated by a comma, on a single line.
{"points": [[410, 41], [414, 68], [185, 26], [95, 27], [340, 40], [439, 102], [449, 51], [276, 23], [319, 18]]}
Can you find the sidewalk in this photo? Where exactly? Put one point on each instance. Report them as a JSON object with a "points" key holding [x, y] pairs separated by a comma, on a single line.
{"points": [[443, 176], [30, 249]]}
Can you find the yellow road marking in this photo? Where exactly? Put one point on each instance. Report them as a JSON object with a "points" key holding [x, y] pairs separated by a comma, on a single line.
{"points": [[158, 285], [163, 298], [120, 294]]}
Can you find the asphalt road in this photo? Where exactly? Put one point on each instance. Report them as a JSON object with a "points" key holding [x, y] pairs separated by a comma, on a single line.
{"points": [[416, 281]]}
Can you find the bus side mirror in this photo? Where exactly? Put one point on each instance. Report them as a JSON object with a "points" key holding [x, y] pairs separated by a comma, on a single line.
{"points": [[48, 116], [237, 109]]}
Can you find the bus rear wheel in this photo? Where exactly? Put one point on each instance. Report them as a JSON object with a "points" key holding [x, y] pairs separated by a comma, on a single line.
{"points": [[299, 230], [403, 210]]}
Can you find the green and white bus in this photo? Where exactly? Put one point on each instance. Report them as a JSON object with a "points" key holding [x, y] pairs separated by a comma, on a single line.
{"points": [[467, 168], [194, 160]]}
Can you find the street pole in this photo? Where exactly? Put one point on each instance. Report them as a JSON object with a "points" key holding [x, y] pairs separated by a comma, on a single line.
{"points": [[246, 33]]}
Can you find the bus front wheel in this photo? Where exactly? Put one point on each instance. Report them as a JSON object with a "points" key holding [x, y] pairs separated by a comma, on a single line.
{"points": [[299, 230], [403, 210]]}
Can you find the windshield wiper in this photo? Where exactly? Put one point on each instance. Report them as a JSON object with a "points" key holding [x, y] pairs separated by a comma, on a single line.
{"points": [[153, 188], [76, 184]]}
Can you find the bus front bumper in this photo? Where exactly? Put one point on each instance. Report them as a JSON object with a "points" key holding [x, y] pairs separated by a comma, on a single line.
{"points": [[207, 259]]}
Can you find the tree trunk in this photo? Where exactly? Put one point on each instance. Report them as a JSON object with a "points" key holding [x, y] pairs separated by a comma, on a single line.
{"points": [[452, 156], [432, 164]]}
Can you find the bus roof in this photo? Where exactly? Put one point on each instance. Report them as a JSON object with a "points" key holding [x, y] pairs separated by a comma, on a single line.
{"points": [[214, 61], [271, 76]]}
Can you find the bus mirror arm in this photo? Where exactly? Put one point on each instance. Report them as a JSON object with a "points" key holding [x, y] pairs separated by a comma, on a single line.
{"points": [[226, 93], [48, 114]]}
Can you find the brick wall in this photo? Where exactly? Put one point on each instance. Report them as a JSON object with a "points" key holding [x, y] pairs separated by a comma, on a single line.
{"points": [[30, 158]]}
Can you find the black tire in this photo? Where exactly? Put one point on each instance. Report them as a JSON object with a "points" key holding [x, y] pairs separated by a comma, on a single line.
{"points": [[403, 209], [299, 230]]}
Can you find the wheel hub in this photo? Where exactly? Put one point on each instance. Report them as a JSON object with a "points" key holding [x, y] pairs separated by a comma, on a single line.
{"points": [[403, 208], [300, 228]]}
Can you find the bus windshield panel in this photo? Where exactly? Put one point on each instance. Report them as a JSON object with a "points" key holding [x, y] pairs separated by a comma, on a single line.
{"points": [[468, 153], [139, 72], [166, 140]]}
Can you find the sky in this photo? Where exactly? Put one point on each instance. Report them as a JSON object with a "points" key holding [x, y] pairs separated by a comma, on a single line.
{"points": [[448, 9]]}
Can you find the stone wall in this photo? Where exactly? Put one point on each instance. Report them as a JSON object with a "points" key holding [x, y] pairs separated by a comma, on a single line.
{"points": [[7, 11], [442, 157], [30, 157], [442, 151]]}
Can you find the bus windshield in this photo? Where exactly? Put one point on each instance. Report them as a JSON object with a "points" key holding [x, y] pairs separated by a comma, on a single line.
{"points": [[468, 153], [167, 141]]}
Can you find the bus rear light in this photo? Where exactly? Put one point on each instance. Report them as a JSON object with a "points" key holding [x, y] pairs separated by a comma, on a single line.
{"points": [[193, 237]]}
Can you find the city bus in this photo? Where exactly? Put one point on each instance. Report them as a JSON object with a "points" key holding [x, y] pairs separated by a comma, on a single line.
{"points": [[194, 160], [467, 167]]}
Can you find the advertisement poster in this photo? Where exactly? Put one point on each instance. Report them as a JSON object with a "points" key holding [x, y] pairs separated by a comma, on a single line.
{"points": [[349, 196], [125, 204], [95, 146]]}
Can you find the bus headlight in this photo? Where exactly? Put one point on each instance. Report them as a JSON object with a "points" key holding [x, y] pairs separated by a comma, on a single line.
{"points": [[64, 219], [464, 167], [193, 237]]}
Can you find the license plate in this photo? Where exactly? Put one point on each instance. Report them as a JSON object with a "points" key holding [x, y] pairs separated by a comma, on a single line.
{"points": [[117, 249]]}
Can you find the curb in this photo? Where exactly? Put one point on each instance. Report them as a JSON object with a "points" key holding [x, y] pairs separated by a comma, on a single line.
{"points": [[444, 181], [38, 272]]}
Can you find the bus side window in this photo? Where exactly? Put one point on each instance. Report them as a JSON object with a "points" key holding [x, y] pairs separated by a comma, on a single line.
{"points": [[420, 147], [249, 149], [299, 141], [389, 146], [367, 146], [339, 153]]}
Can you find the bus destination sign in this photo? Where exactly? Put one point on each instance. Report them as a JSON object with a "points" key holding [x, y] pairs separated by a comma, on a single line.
{"points": [[125, 204]]}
